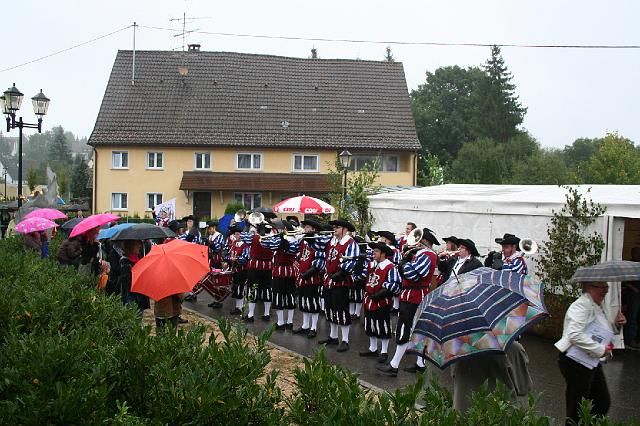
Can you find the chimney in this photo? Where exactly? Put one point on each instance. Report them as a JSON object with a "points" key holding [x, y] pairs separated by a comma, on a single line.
{"points": [[193, 47]]}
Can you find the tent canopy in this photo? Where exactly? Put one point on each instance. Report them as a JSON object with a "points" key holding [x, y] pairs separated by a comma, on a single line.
{"points": [[533, 200]]}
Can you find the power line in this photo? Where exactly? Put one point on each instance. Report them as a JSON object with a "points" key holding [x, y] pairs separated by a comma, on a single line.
{"points": [[411, 43], [67, 49]]}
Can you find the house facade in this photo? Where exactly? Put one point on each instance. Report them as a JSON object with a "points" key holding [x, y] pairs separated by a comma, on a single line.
{"points": [[211, 128]]}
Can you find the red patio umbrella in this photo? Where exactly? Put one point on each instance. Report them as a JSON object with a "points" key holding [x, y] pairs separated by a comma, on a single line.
{"points": [[171, 268]]}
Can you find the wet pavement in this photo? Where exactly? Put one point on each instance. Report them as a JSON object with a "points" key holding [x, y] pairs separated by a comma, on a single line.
{"points": [[622, 373]]}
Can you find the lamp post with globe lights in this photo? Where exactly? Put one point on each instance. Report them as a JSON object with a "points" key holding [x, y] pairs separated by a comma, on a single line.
{"points": [[10, 104], [345, 160]]}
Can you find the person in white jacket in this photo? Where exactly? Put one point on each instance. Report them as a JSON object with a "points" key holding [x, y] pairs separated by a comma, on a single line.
{"points": [[583, 382]]}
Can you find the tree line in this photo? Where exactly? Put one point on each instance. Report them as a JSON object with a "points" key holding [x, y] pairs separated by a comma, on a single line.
{"points": [[54, 149], [469, 121]]}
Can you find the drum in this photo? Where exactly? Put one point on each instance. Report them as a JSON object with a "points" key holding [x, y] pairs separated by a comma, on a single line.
{"points": [[217, 284]]}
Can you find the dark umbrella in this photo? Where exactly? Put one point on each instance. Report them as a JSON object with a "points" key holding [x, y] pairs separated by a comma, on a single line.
{"points": [[74, 207], [142, 231], [612, 270], [70, 224]]}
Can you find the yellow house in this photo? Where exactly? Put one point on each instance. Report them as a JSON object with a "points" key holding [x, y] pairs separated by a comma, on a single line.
{"points": [[210, 128]]}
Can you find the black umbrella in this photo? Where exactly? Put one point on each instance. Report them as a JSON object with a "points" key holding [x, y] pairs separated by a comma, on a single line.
{"points": [[70, 224], [143, 231], [74, 208]]}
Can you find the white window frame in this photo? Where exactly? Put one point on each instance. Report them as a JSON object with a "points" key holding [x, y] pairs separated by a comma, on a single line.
{"points": [[252, 159], [302, 155], [161, 194], [195, 160], [242, 194], [155, 160], [119, 167], [120, 208]]}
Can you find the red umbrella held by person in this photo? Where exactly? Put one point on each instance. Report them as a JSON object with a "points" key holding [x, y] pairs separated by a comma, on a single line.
{"points": [[171, 268]]}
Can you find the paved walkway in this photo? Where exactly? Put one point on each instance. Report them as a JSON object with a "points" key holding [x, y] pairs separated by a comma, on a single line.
{"points": [[623, 372]]}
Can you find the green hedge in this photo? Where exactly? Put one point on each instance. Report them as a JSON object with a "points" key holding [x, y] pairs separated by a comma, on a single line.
{"points": [[71, 356]]}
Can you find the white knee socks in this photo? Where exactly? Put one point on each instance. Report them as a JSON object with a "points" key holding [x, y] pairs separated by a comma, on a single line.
{"points": [[345, 333], [239, 303], [267, 307], [305, 320], [334, 331], [385, 346], [420, 362], [314, 321], [373, 344], [252, 309], [352, 308], [280, 314], [357, 309], [400, 350], [289, 316]]}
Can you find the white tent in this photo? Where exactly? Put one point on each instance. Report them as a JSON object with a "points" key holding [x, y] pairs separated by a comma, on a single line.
{"points": [[485, 212]]}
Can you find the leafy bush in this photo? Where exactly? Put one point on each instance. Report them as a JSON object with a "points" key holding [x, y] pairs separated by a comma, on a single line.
{"points": [[233, 208]]}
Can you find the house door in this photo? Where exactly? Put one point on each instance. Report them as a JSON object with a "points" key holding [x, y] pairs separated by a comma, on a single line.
{"points": [[202, 205]]}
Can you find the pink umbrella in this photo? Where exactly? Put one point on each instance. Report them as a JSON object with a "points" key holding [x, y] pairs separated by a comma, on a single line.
{"points": [[303, 204], [51, 214], [93, 221], [33, 224]]}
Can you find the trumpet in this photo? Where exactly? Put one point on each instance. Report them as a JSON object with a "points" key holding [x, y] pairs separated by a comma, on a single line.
{"points": [[239, 216], [313, 235], [528, 246], [450, 253]]}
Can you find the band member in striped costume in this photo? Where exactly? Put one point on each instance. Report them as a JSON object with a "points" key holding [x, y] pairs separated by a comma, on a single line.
{"points": [[310, 264], [283, 279], [359, 274], [342, 251], [388, 238], [512, 259], [382, 284], [258, 271], [416, 269], [193, 233], [237, 257], [447, 257], [215, 242]]}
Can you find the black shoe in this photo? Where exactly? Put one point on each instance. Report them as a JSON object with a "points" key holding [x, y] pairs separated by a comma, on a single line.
{"points": [[280, 327], [215, 305], [382, 358], [368, 353], [235, 311], [182, 320], [289, 326], [191, 298], [266, 318], [247, 319], [328, 341], [343, 346], [415, 369], [312, 334], [301, 331], [387, 370]]}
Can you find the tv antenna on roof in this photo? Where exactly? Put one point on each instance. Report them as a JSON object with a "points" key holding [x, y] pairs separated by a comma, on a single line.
{"points": [[184, 31]]}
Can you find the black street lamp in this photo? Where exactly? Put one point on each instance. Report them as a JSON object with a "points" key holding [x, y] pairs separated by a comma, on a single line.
{"points": [[345, 160], [4, 174], [10, 104]]}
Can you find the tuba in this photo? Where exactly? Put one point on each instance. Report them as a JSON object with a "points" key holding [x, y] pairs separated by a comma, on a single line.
{"points": [[256, 218], [528, 246], [414, 238]]}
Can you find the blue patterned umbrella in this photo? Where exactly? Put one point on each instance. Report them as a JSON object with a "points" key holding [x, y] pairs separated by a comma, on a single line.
{"points": [[109, 232], [481, 311]]}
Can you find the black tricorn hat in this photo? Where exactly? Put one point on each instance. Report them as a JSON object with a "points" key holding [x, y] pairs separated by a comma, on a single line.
{"points": [[190, 217], [212, 223], [312, 223], [343, 223], [389, 236], [453, 239], [508, 239], [428, 235], [293, 219], [382, 247], [235, 228], [174, 225], [470, 245]]}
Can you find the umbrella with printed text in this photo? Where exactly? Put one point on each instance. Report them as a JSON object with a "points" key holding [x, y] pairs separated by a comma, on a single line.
{"points": [[482, 311], [51, 214], [171, 268], [305, 205], [34, 224], [93, 221]]}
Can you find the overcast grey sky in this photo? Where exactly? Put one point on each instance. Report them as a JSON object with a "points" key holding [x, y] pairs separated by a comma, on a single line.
{"points": [[569, 93]]}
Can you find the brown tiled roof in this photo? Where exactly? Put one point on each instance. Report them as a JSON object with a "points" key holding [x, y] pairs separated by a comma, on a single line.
{"points": [[237, 99], [277, 182]]}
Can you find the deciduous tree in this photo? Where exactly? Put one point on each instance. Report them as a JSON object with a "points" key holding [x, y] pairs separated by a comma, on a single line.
{"points": [[617, 162]]}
